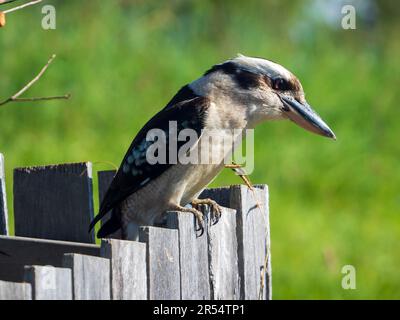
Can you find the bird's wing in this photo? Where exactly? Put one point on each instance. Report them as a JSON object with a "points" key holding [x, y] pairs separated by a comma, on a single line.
{"points": [[135, 171]]}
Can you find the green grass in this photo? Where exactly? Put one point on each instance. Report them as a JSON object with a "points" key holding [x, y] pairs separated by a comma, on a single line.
{"points": [[332, 203]]}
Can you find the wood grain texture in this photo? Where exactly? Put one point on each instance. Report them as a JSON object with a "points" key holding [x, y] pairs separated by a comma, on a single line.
{"points": [[105, 178], [90, 276], [253, 234], [15, 291], [128, 268], [54, 202], [18, 252], [3, 200], [49, 283], [223, 257], [193, 256], [254, 245], [162, 258]]}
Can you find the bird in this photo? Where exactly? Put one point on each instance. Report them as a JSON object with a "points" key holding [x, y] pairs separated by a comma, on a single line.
{"points": [[235, 95]]}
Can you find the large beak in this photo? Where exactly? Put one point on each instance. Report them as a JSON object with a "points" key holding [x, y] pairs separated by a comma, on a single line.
{"points": [[305, 117]]}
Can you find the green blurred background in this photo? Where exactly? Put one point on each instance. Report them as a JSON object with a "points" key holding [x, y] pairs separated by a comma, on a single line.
{"points": [[332, 203]]}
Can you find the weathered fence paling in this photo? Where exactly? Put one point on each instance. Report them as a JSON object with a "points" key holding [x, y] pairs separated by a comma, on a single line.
{"points": [[223, 258], [49, 283], [193, 255], [128, 268], [18, 252], [253, 235], [229, 260], [90, 276], [208, 262], [15, 291], [3, 200], [162, 259], [54, 202]]}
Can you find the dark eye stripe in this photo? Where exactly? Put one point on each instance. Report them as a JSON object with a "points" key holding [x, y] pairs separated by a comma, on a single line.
{"points": [[281, 84], [245, 79]]}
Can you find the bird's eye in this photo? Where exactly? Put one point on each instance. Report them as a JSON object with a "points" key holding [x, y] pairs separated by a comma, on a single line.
{"points": [[280, 84]]}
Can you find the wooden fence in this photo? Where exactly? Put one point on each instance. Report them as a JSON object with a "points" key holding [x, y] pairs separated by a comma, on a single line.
{"points": [[52, 256]]}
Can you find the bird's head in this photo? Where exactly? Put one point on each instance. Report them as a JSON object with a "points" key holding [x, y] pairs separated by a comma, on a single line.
{"points": [[266, 91]]}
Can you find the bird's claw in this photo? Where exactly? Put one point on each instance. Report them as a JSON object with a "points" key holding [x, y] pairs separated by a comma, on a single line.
{"points": [[197, 214], [215, 208], [200, 220]]}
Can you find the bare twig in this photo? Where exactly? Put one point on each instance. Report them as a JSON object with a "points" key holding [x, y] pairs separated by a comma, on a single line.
{"points": [[233, 166], [101, 162], [263, 273], [238, 169], [16, 97], [6, 1], [65, 96], [30, 83], [22, 6]]}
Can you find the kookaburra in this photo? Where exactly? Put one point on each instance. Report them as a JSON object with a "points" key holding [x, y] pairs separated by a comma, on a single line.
{"points": [[239, 93]]}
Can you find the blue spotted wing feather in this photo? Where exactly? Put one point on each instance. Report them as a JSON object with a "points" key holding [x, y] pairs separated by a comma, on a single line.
{"points": [[135, 171]]}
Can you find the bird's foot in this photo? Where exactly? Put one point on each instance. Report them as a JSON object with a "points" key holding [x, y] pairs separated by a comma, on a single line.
{"points": [[198, 215], [215, 208]]}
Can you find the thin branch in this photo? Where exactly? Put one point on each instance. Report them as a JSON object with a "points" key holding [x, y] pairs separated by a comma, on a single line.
{"points": [[101, 162], [30, 83], [233, 166], [238, 169], [22, 6], [6, 2], [65, 96], [16, 96]]}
